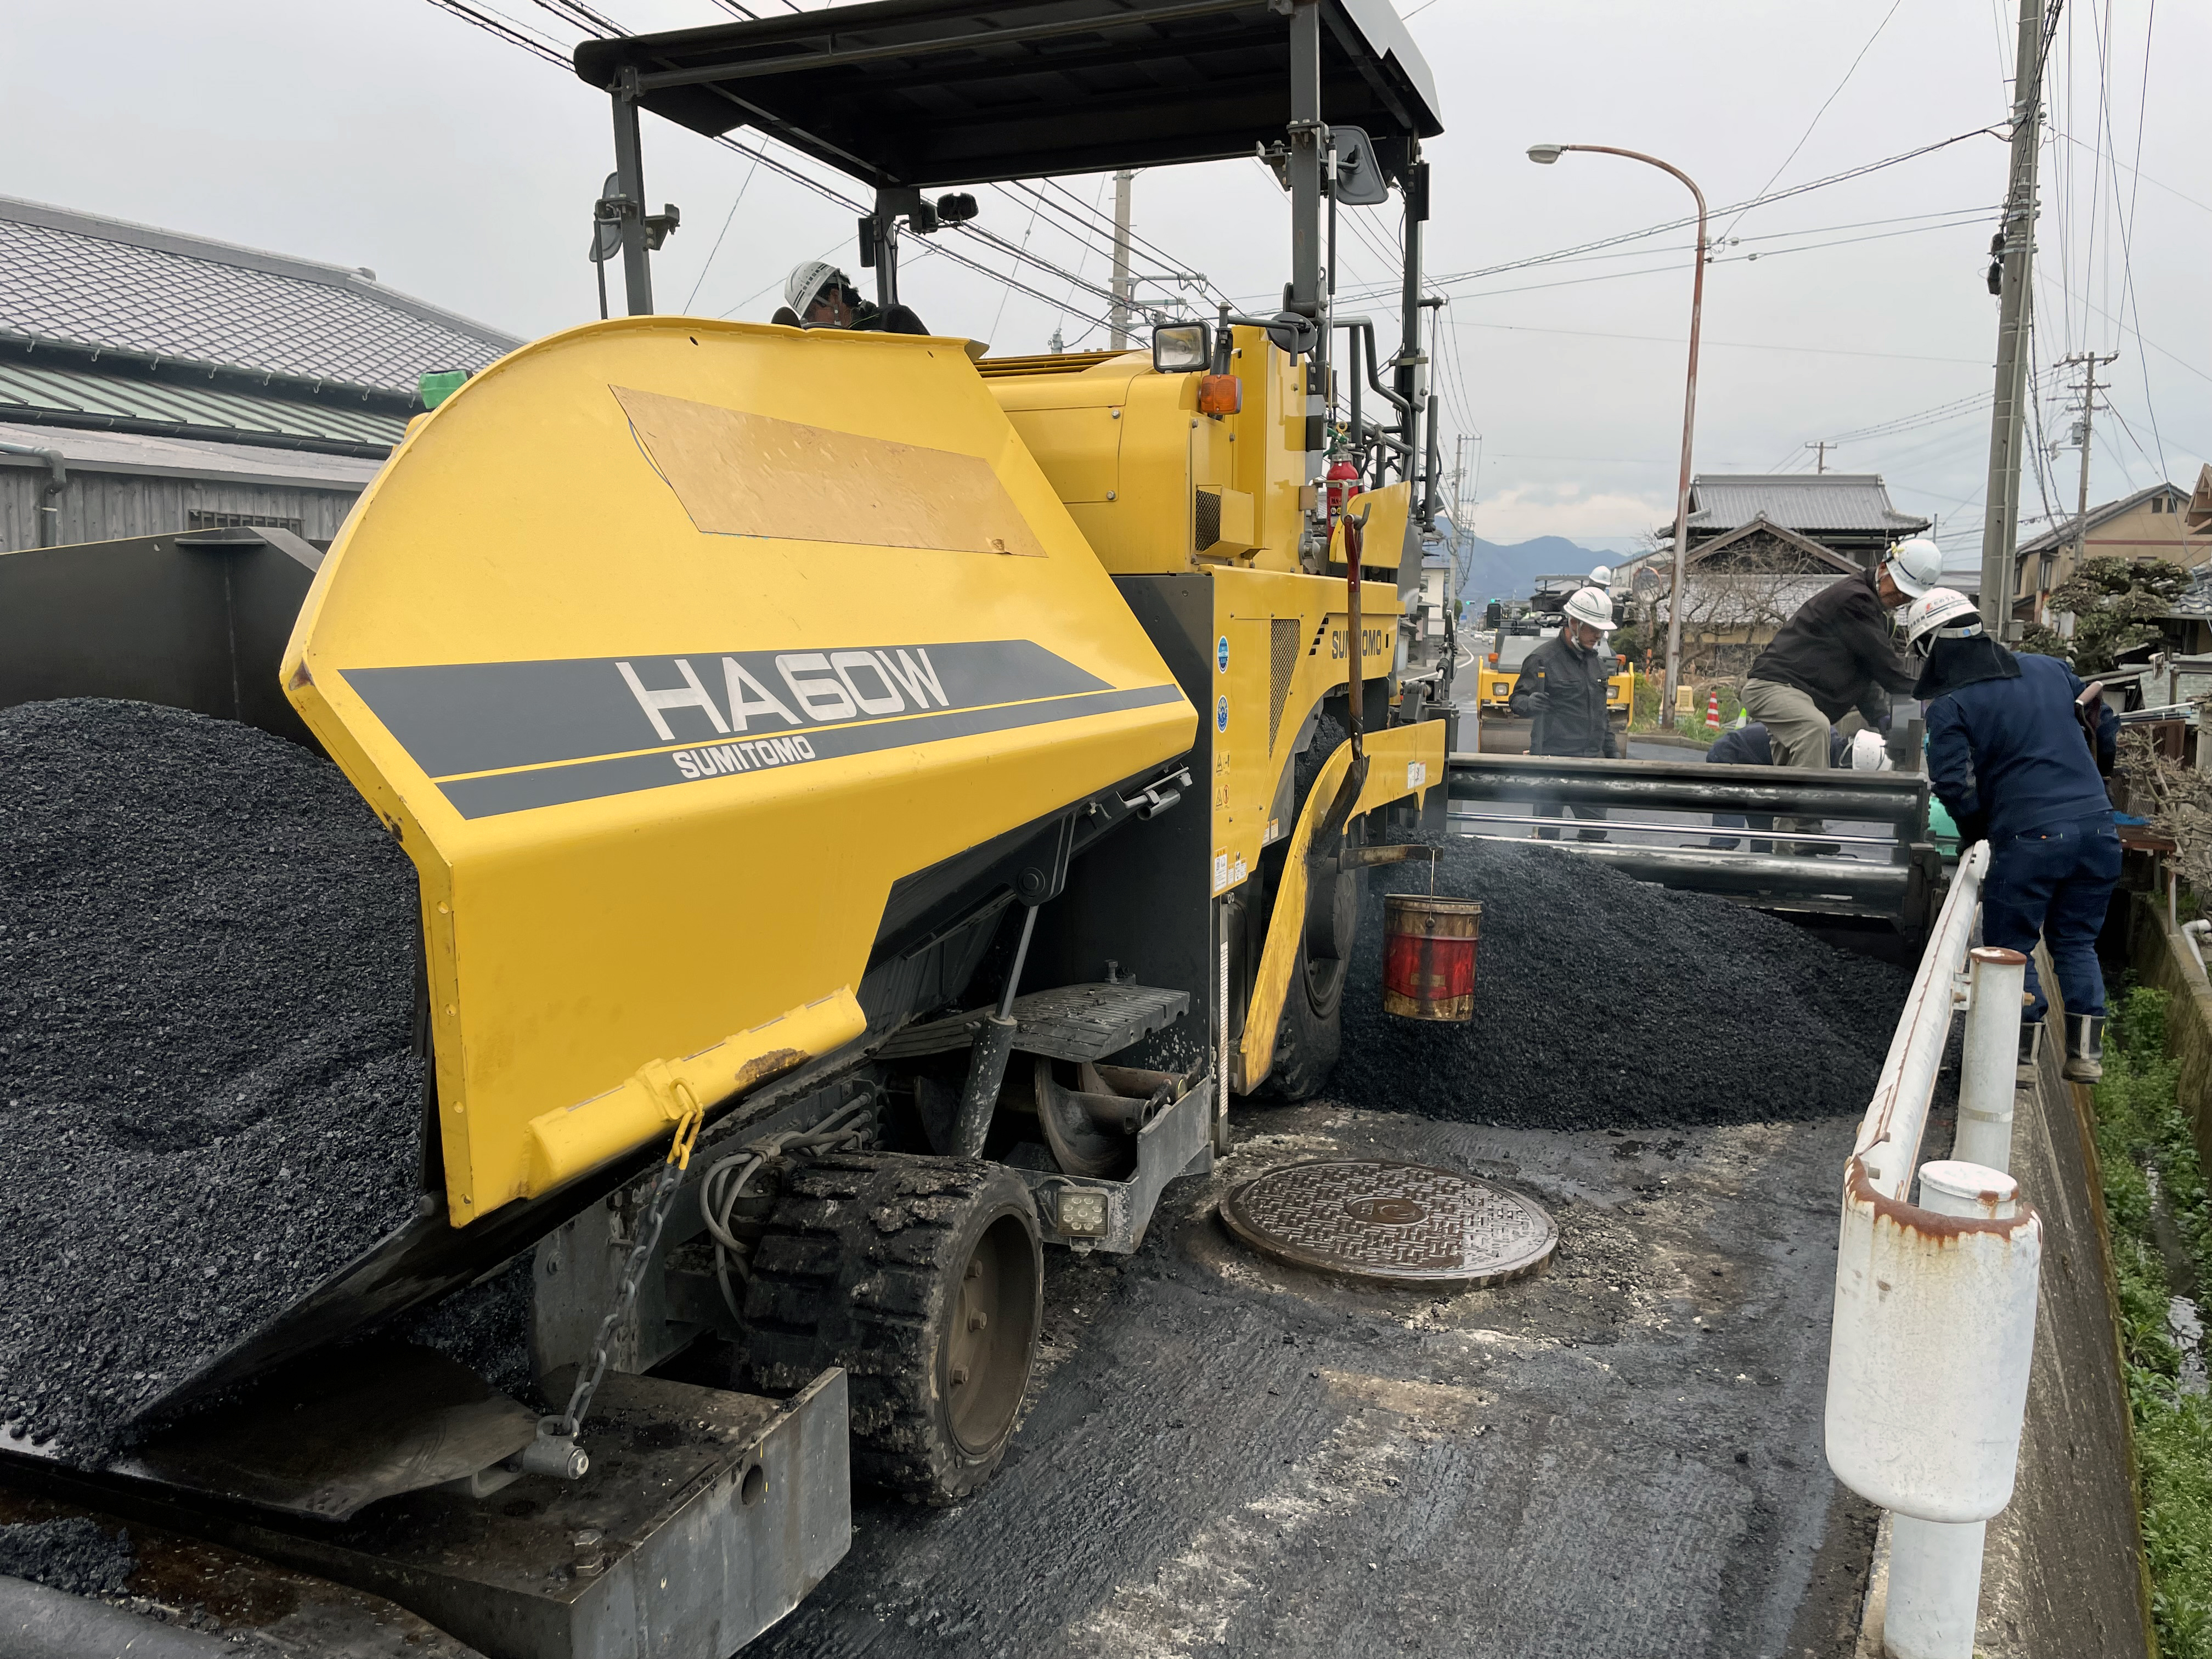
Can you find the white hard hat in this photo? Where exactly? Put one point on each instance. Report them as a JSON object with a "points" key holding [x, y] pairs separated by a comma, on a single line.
{"points": [[1592, 605], [1870, 753], [1915, 566], [1940, 613], [804, 285], [1601, 576]]}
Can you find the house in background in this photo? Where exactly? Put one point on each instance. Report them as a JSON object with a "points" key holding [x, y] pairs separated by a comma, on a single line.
{"points": [[1740, 586], [153, 382], [2162, 522], [1846, 513]]}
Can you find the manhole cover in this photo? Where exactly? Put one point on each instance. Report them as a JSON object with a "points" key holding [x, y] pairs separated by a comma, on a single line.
{"points": [[1402, 1223]]}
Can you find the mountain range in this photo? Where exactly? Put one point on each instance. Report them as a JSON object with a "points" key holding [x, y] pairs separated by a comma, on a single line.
{"points": [[1506, 570]]}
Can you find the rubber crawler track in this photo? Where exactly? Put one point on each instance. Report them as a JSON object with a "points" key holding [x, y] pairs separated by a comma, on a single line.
{"points": [[856, 1269]]}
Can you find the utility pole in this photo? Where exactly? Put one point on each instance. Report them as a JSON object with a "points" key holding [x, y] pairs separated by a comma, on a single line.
{"points": [[1120, 284], [2089, 363], [2016, 249], [1821, 462], [1458, 473], [1459, 523]]}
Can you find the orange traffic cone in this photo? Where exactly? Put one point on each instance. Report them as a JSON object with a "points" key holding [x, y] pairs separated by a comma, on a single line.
{"points": [[1713, 710]]}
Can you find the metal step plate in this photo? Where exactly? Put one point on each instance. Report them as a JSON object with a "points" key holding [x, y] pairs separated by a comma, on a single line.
{"points": [[1394, 1224], [1069, 1022]]}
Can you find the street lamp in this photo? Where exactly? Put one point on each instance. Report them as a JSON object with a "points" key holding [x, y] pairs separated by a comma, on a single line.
{"points": [[1544, 156]]}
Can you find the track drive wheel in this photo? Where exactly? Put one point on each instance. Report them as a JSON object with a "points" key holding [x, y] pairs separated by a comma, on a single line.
{"points": [[922, 1277]]}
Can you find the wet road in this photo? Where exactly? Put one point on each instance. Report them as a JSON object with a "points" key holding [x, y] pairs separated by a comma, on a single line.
{"points": [[1620, 1456]]}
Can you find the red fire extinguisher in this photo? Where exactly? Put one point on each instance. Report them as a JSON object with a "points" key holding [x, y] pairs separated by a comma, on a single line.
{"points": [[1343, 485]]}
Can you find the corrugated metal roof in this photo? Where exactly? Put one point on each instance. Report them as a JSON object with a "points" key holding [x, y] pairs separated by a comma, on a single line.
{"points": [[102, 283], [130, 453], [1810, 503], [83, 398]]}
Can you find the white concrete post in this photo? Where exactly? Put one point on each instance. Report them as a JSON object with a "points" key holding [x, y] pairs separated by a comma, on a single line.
{"points": [[1987, 1075], [1936, 1566], [1934, 1589]]}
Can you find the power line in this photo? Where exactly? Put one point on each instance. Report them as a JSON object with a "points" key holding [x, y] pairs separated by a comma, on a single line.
{"points": [[2130, 300], [1444, 285], [1849, 173], [1733, 345], [513, 34], [728, 219], [1005, 294], [1822, 111], [1141, 244], [2146, 177]]}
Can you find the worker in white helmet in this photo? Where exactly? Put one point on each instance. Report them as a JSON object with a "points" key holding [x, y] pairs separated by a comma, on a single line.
{"points": [[817, 294], [2017, 751], [1601, 578], [1562, 691], [1834, 663]]}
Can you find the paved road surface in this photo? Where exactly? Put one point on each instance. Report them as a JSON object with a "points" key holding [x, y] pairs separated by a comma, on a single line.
{"points": [[1617, 1458]]}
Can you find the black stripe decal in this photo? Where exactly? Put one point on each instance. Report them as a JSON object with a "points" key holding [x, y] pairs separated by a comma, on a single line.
{"points": [[622, 774], [459, 718]]}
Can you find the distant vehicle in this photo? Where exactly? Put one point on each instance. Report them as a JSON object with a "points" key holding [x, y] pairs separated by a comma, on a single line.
{"points": [[1510, 647]]}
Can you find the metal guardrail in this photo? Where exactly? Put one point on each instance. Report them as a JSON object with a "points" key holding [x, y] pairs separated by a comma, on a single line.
{"points": [[1934, 1313]]}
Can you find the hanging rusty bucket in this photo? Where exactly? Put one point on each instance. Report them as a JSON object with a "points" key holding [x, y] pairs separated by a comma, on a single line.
{"points": [[1428, 955]]}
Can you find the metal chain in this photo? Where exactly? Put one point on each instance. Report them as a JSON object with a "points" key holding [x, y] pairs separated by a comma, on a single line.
{"points": [[570, 1422]]}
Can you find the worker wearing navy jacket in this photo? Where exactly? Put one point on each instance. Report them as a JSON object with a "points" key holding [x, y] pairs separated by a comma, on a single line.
{"points": [[2007, 757], [1751, 745]]}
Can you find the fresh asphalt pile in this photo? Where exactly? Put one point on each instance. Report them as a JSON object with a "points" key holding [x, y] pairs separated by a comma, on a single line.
{"points": [[485, 1327], [207, 1088], [70, 1553], [1604, 1002]]}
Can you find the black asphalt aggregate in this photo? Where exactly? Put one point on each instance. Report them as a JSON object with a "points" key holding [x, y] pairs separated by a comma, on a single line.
{"points": [[70, 1553], [1601, 1001], [207, 1088]]}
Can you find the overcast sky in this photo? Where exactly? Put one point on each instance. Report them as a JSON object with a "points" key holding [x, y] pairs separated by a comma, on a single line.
{"points": [[391, 134]]}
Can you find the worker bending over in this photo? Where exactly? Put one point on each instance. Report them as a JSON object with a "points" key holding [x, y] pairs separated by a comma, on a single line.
{"points": [[1562, 690], [1834, 659], [2008, 757]]}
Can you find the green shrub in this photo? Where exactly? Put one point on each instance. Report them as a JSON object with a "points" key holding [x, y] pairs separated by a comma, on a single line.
{"points": [[2147, 1153]]}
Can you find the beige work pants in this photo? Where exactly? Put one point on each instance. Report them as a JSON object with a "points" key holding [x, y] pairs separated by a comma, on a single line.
{"points": [[1797, 732]]}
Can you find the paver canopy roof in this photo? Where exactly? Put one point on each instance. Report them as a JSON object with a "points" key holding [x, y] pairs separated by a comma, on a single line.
{"points": [[76, 279], [924, 93]]}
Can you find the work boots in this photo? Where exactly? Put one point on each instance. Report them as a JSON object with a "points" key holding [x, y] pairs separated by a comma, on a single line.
{"points": [[2031, 1044], [2085, 1048]]}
